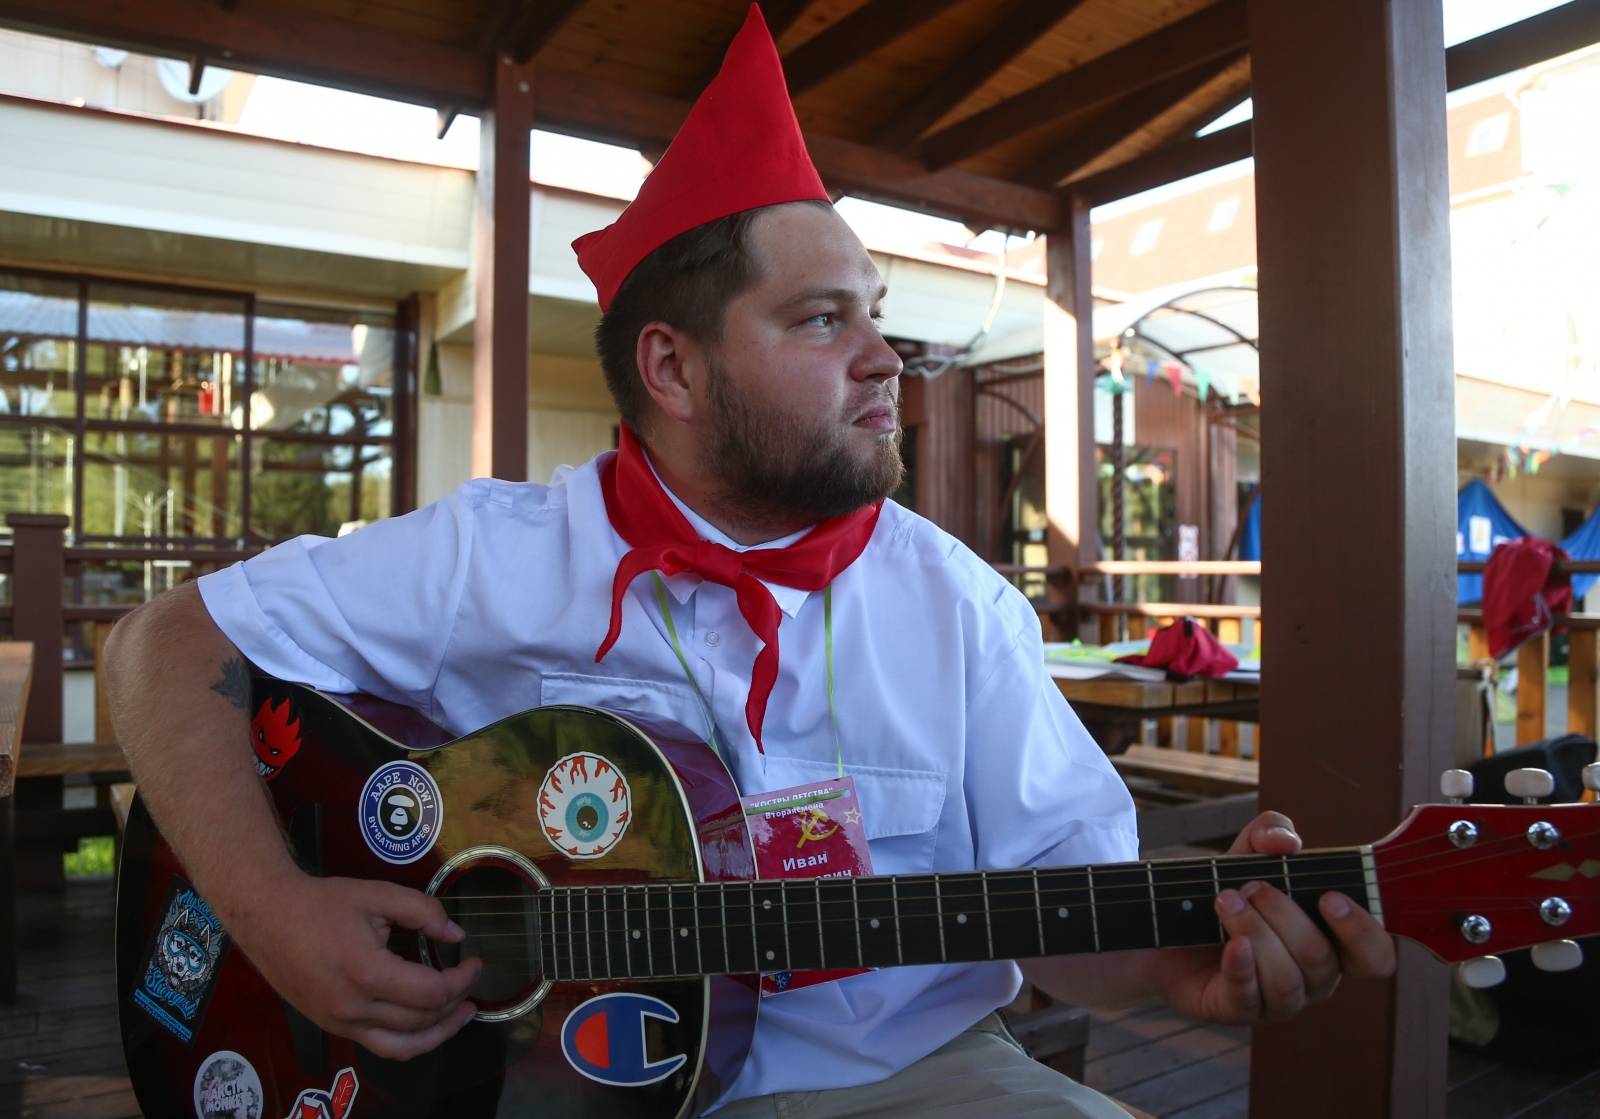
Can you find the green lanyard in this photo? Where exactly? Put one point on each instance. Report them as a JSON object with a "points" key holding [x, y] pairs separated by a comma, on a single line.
{"points": [[705, 705]]}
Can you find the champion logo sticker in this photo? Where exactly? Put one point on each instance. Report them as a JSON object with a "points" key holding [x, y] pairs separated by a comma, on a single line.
{"points": [[604, 1039], [400, 812], [314, 1103], [585, 806], [227, 1087]]}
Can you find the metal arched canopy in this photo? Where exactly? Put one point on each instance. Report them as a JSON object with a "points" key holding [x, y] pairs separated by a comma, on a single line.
{"points": [[1211, 331]]}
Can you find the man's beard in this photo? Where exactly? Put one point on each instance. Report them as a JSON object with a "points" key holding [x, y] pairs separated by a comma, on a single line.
{"points": [[778, 469]]}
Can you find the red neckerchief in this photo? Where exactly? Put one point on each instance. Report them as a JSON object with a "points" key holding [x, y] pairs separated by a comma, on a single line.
{"points": [[661, 539]]}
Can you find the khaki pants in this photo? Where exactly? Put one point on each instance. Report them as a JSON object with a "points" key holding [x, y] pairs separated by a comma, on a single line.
{"points": [[983, 1074]]}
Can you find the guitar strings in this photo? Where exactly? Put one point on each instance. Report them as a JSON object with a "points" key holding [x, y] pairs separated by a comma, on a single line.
{"points": [[1300, 865]]}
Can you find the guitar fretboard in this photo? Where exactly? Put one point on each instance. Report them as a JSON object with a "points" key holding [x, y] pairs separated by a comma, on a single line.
{"points": [[658, 931]]}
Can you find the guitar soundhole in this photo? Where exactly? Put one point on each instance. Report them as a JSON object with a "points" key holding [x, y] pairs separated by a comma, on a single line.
{"points": [[493, 902]]}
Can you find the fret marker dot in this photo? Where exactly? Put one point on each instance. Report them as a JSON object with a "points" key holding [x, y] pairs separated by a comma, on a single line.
{"points": [[1187, 905], [766, 903], [961, 918], [1062, 912], [636, 934], [769, 953], [874, 922], [683, 932]]}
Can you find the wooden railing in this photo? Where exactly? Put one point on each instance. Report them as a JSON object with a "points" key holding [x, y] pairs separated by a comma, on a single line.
{"points": [[42, 568]]}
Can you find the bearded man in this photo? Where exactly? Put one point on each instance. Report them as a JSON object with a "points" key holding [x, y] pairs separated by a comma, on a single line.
{"points": [[734, 565]]}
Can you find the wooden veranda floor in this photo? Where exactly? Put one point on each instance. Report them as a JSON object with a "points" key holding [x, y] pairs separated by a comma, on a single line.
{"points": [[60, 1056]]}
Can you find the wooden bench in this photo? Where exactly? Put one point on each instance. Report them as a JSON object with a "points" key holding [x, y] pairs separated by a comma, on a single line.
{"points": [[1208, 774]]}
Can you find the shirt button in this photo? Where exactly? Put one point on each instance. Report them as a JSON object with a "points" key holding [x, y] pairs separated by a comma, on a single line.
{"points": [[713, 638]]}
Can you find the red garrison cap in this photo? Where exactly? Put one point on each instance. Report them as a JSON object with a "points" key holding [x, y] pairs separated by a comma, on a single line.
{"points": [[739, 149]]}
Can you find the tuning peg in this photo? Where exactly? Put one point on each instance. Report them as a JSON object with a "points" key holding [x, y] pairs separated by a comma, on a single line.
{"points": [[1530, 784], [1557, 955], [1591, 776], [1485, 971], [1456, 785]]}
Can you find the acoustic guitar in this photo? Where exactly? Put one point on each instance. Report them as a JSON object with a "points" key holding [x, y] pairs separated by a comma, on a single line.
{"points": [[602, 868]]}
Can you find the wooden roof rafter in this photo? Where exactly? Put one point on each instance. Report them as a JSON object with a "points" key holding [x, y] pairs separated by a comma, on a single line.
{"points": [[1014, 32], [1525, 43], [854, 38], [1125, 117], [780, 16], [1216, 30]]}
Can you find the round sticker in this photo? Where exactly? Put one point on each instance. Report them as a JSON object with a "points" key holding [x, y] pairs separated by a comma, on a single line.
{"points": [[227, 1087], [400, 811], [584, 806]]}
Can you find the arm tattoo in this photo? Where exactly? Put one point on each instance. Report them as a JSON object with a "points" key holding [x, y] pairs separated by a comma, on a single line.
{"points": [[235, 683]]}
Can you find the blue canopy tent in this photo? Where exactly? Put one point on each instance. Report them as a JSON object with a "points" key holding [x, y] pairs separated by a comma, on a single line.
{"points": [[1482, 524], [1584, 544], [1250, 538]]}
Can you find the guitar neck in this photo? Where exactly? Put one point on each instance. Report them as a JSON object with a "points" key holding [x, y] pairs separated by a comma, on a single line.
{"points": [[657, 931]]}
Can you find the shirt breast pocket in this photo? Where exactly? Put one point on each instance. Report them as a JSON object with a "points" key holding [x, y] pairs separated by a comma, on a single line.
{"points": [[900, 808], [643, 699]]}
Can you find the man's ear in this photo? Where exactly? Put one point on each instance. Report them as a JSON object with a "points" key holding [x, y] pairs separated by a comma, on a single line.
{"points": [[670, 364]]}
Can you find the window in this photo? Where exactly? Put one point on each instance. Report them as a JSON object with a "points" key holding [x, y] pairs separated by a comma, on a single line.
{"points": [[1223, 214], [1488, 135], [1145, 239], [164, 415]]}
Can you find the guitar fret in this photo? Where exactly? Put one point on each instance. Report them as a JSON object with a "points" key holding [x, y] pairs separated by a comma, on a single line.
{"points": [[1094, 910], [988, 921], [1288, 888], [1216, 886], [649, 945], [822, 948], [627, 930], [894, 898], [572, 944], [722, 900], [1155, 918], [672, 932], [1038, 908], [855, 903], [605, 932], [783, 919], [938, 905], [755, 941], [551, 971], [698, 933]]}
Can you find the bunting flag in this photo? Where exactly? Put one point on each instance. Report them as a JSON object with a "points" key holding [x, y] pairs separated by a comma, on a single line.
{"points": [[1202, 381], [1175, 377], [1150, 365]]}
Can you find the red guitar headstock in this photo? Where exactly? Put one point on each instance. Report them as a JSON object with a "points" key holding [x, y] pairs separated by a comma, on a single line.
{"points": [[1470, 880]]}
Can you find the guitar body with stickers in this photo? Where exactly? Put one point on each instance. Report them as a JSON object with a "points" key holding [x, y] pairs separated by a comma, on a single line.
{"points": [[632, 910]]}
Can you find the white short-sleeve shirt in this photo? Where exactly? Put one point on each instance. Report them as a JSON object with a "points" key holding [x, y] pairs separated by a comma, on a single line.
{"points": [[494, 600]]}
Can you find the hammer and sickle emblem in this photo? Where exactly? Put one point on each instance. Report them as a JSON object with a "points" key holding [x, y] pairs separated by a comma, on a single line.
{"points": [[809, 824]]}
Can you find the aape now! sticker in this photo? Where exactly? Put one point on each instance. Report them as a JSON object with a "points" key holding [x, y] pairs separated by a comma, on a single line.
{"points": [[400, 812]]}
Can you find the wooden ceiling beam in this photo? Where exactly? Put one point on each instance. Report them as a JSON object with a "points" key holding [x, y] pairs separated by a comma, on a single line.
{"points": [[536, 24], [875, 24], [1535, 39], [1023, 25], [1217, 30], [582, 105], [265, 39], [1167, 165], [1548, 35], [1123, 119], [780, 16]]}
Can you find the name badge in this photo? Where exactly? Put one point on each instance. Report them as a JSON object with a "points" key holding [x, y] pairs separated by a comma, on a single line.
{"points": [[808, 831]]}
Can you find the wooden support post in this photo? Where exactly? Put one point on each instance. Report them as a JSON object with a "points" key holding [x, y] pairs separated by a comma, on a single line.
{"points": [[1478, 643], [38, 575], [1352, 222], [1583, 681], [1533, 659], [500, 263], [1070, 492]]}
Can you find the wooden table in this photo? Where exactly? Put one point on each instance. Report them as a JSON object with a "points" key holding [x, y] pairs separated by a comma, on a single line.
{"points": [[1112, 698], [16, 674]]}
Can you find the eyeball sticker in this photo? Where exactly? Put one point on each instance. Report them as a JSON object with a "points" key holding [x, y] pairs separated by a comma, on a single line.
{"points": [[584, 806], [400, 812]]}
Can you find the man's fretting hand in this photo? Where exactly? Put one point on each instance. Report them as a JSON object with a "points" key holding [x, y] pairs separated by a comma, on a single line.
{"points": [[1276, 961], [324, 948]]}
